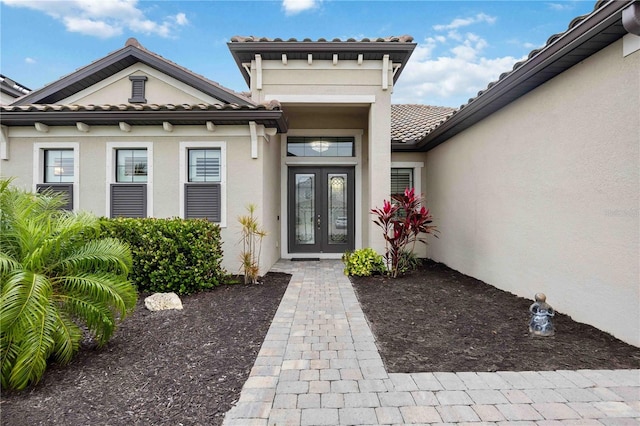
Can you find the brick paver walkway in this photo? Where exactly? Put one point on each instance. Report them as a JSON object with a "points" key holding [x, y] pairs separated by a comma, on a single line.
{"points": [[319, 365]]}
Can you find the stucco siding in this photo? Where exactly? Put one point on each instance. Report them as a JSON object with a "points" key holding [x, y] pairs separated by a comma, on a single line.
{"points": [[159, 89], [271, 215], [244, 183], [543, 195]]}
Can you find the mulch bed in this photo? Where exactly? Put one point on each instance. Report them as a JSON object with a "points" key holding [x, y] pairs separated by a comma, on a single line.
{"points": [[160, 368], [437, 319], [188, 367]]}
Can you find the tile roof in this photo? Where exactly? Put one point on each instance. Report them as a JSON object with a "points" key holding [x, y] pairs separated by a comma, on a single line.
{"points": [[574, 22], [117, 60], [271, 106], [585, 35], [411, 123], [269, 114], [399, 39]]}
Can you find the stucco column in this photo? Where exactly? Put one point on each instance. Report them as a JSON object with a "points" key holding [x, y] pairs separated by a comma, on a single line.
{"points": [[378, 166]]}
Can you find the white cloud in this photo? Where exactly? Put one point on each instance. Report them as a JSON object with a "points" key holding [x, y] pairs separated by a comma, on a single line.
{"points": [[560, 6], [104, 19], [181, 19], [451, 77], [293, 7], [90, 27], [29, 60], [463, 22]]}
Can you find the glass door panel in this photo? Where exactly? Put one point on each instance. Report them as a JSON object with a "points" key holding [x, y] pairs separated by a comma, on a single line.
{"points": [[321, 209], [305, 208], [337, 208]]}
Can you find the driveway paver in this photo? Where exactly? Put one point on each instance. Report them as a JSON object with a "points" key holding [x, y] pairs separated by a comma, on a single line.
{"points": [[319, 365]]}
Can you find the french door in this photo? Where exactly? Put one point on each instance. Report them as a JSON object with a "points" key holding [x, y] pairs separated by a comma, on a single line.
{"points": [[321, 209]]}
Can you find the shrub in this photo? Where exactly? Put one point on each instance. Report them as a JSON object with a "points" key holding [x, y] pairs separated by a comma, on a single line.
{"points": [[403, 221], [171, 255], [56, 276], [408, 261], [362, 262]]}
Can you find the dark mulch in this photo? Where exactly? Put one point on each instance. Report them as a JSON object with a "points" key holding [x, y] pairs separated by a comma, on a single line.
{"points": [[437, 319], [160, 368]]}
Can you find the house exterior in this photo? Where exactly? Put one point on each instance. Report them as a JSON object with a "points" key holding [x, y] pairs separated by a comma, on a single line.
{"points": [[133, 134], [533, 184], [10, 90]]}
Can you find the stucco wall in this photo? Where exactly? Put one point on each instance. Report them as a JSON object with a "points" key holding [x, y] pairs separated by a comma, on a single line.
{"points": [[333, 89], [159, 89], [243, 179], [271, 216], [543, 195]]}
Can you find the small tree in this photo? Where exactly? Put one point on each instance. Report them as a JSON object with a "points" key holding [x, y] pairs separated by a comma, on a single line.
{"points": [[403, 221], [55, 277], [251, 237]]}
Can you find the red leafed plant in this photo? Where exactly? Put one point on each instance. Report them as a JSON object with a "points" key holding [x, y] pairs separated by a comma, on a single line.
{"points": [[404, 221]]}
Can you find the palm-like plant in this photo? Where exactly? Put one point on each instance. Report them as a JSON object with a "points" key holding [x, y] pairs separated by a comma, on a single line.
{"points": [[55, 277]]}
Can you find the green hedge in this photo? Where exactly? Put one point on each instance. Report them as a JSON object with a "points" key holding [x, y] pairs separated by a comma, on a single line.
{"points": [[170, 255]]}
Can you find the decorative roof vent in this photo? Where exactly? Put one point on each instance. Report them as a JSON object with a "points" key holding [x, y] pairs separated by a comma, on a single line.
{"points": [[137, 89]]}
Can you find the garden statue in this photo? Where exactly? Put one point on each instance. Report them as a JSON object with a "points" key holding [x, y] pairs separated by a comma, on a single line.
{"points": [[541, 313]]}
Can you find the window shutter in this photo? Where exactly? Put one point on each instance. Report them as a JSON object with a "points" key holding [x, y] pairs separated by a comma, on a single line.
{"points": [[401, 179], [129, 200], [203, 201], [61, 188]]}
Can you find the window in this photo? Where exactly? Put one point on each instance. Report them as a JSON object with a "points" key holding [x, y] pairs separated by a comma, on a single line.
{"points": [[401, 179], [309, 146], [129, 179], [56, 170], [137, 89], [203, 181], [204, 165], [131, 165], [58, 166]]}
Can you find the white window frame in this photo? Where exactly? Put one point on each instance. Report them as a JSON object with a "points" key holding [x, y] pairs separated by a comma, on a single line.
{"points": [[111, 172], [38, 166], [417, 172], [184, 174]]}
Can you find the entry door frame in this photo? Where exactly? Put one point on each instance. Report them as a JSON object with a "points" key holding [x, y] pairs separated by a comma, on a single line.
{"points": [[286, 162], [321, 222]]}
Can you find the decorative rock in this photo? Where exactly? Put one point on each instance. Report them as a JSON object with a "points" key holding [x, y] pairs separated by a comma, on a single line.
{"points": [[162, 301]]}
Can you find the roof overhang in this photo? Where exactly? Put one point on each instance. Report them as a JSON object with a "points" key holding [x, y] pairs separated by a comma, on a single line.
{"points": [[585, 36], [245, 51], [114, 116]]}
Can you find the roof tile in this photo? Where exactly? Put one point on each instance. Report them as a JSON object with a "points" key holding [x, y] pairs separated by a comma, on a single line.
{"points": [[249, 39], [271, 106], [411, 123]]}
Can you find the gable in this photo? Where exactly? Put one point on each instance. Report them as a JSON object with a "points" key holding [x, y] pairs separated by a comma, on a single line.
{"points": [[159, 88], [130, 55]]}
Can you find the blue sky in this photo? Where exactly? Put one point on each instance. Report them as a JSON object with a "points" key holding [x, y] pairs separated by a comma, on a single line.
{"points": [[462, 45]]}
